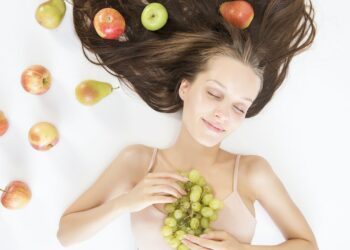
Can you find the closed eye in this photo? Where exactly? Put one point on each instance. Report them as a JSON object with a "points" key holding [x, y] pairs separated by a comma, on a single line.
{"points": [[217, 97]]}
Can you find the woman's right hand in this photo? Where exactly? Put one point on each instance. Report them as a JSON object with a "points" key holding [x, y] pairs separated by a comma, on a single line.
{"points": [[155, 188]]}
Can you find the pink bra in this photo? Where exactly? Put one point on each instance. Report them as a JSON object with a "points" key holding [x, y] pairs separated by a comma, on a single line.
{"points": [[234, 218]]}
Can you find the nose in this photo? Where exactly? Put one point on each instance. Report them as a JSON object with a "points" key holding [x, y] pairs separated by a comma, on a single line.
{"points": [[221, 113]]}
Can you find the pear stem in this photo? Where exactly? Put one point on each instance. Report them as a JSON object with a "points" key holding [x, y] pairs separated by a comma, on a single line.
{"points": [[116, 88], [2, 190]]}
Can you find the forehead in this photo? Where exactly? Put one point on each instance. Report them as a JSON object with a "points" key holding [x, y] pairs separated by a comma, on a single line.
{"points": [[235, 76]]}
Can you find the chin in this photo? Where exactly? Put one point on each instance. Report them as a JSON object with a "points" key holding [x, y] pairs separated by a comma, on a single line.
{"points": [[209, 144], [208, 140], [202, 135]]}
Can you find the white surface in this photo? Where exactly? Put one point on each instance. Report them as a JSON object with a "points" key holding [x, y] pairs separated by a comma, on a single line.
{"points": [[303, 132]]}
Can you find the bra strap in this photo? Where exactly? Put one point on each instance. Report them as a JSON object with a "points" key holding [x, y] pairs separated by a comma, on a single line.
{"points": [[235, 175], [152, 160]]}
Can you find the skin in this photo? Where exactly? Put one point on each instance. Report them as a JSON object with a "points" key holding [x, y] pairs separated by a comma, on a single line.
{"points": [[196, 147]]}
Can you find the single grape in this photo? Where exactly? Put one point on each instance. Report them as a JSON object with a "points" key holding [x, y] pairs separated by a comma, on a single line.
{"points": [[180, 234], [196, 206], [171, 222], [194, 175], [174, 242], [214, 204], [195, 196], [169, 208], [207, 198], [196, 188], [207, 211], [178, 214], [166, 230], [194, 224], [185, 206]]}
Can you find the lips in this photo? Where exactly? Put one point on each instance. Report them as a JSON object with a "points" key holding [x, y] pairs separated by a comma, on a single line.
{"points": [[215, 128]]}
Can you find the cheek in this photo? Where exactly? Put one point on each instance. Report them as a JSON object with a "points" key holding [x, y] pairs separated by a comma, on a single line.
{"points": [[197, 106]]}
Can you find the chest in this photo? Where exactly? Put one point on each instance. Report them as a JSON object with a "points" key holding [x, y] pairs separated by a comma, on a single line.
{"points": [[220, 177]]}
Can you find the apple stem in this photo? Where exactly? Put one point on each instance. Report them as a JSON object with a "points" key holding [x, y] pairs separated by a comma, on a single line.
{"points": [[116, 88], [2, 190]]}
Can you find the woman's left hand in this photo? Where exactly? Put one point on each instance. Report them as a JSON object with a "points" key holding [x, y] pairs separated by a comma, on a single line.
{"points": [[214, 240]]}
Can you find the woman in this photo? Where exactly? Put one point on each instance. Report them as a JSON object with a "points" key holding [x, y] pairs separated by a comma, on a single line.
{"points": [[217, 76]]}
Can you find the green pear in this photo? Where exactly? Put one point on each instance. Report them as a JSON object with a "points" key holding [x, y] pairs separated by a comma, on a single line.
{"points": [[89, 92], [50, 14]]}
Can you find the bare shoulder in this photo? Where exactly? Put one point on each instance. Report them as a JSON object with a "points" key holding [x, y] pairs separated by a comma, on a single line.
{"points": [[258, 173], [138, 156], [119, 177]]}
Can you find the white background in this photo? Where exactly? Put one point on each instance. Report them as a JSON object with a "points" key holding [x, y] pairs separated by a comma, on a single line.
{"points": [[303, 132]]}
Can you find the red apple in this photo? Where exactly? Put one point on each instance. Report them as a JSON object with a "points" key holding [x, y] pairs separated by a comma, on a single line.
{"points": [[238, 13], [16, 195], [109, 23], [43, 136], [4, 124], [36, 79]]}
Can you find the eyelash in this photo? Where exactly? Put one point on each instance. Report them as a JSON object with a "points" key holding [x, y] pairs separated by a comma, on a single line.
{"points": [[219, 97]]}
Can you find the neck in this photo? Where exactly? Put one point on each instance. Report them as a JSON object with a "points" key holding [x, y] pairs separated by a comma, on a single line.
{"points": [[186, 153]]}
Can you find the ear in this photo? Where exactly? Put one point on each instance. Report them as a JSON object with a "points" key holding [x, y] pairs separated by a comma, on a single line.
{"points": [[183, 89]]}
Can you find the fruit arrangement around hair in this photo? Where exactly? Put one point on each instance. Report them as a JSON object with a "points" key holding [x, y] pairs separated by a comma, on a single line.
{"points": [[110, 24], [191, 213]]}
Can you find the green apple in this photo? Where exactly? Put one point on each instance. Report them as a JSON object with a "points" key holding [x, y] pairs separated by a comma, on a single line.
{"points": [[50, 14], [154, 16]]}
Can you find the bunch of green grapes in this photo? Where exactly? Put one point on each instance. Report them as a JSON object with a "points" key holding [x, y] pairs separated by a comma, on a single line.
{"points": [[191, 213]]}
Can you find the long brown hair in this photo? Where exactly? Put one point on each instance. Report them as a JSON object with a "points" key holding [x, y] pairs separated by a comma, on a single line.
{"points": [[153, 63]]}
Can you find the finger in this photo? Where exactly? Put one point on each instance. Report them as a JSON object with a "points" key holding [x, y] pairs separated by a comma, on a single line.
{"points": [[168, 175], [162, 199], [193, 246], [165, 189], [211, 244], [170, 183], [215, 235]]}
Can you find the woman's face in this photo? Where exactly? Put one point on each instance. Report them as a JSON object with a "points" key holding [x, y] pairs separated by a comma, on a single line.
{"points": [[220, 96]]}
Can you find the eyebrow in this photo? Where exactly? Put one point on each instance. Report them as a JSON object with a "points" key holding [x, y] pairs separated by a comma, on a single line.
{"points": [[223, 86]]}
